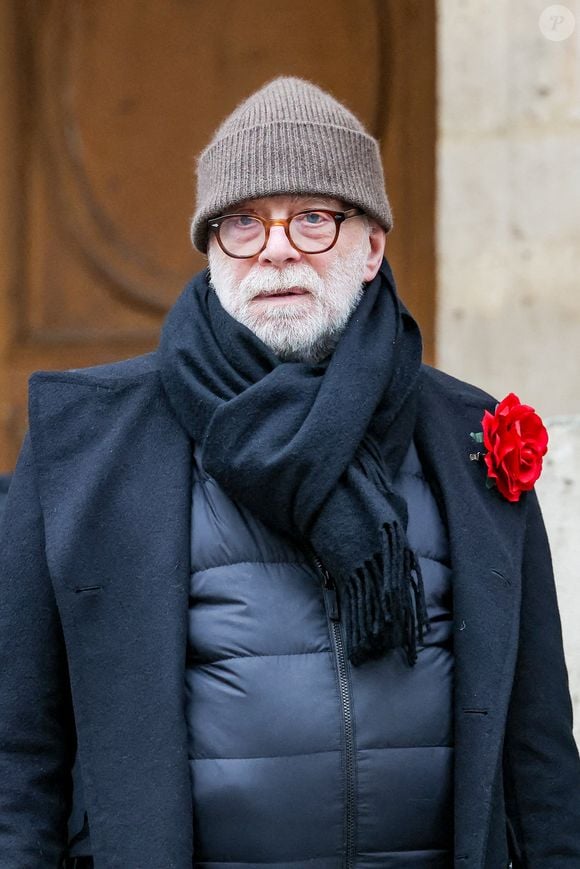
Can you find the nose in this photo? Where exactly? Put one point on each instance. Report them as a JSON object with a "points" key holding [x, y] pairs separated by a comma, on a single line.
{"points": [[278, 250]]}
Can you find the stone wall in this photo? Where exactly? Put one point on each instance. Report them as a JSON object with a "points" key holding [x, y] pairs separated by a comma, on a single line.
{"points": [[508, 213]]}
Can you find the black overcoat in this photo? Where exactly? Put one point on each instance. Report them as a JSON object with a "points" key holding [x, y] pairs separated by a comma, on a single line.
{"points": [[94, 575]]}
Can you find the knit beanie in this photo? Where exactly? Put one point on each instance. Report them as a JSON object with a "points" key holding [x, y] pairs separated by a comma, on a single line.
{"points": [[289, 137]]}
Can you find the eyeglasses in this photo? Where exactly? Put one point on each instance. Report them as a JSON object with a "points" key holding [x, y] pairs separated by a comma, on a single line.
{"points": [[246, 235]]}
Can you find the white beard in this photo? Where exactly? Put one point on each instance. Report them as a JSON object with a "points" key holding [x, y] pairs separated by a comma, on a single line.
{"points": [[304, 330]]}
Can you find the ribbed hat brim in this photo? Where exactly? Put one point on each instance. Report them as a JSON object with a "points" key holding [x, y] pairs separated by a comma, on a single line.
{"points": [[289, 158]]}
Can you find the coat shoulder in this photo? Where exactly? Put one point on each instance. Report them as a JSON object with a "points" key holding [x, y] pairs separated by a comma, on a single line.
{"points": [[109, 375], [444, 385], [82, 406]]}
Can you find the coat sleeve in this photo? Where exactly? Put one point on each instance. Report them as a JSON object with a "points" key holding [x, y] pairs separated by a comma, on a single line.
{"points": [[542, 768], [37, 740]]}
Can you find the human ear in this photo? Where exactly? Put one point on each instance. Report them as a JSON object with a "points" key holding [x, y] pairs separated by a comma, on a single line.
{"points": [[377, 238]]}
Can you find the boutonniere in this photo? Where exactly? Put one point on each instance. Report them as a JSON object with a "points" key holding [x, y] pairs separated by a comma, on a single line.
{"points": [[516, 440]]}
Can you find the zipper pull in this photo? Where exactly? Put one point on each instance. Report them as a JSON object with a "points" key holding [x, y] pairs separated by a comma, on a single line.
{"points": [[332, 601], [331, 594], [329, 590]]}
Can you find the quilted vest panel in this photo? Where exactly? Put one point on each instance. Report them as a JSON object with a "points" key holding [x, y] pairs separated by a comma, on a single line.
{"points": [[296, 757]]}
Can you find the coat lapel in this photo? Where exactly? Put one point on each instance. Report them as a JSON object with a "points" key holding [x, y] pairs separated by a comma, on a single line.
{"points": [[486, 539], [114, 472]]}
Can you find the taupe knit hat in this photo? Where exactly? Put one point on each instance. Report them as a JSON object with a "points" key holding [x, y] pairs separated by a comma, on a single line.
{"points": [[290, 137]]}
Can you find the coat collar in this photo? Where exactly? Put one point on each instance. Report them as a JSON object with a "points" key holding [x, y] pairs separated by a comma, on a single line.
{"points": [[92, 471]]}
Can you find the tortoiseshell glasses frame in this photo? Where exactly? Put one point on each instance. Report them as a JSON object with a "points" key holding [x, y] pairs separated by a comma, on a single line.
{"points": [[305, 245]]}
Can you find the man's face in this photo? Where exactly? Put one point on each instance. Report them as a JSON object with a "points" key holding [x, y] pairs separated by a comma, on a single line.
{"points": [[298, 304]]}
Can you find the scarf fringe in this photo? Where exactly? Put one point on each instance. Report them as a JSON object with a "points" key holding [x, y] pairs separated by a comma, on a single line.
{"points": [[385, 601]]}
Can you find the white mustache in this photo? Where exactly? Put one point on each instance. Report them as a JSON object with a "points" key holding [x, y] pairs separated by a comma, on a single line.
{"points": [[277, 282]]}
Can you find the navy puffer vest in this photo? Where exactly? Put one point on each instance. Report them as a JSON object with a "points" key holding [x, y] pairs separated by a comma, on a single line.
{"points": [[297, 758]]}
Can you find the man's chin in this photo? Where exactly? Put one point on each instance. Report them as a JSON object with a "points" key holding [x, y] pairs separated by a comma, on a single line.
{"points": [[289, 347]]}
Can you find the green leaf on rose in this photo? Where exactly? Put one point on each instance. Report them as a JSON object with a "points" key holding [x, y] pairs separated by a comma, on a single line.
{"points": [[477, 436]]}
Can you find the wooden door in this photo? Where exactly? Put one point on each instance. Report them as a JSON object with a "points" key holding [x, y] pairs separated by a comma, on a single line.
{"points": [[103, 107]]}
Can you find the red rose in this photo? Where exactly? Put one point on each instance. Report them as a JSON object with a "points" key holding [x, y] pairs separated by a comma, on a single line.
{"points": [[516, 440]]}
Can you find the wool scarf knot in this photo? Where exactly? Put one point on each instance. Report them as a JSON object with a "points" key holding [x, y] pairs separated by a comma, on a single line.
{"points": [[312, 449]]}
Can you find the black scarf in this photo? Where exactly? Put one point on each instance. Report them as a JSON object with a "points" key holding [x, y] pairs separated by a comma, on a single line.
{"points": [[312, 449]]}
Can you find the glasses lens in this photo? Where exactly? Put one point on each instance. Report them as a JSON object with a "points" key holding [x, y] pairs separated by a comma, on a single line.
{"points": [[242, 235], [313, 231]]}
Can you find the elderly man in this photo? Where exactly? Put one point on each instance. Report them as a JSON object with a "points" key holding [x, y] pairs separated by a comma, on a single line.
{"points": [[265, 585]]}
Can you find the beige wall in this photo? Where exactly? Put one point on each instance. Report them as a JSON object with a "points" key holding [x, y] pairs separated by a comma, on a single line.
{"points": [[508, 210]]}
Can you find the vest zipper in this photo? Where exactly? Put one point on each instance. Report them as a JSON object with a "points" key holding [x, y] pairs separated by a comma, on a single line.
{"points": [[333, 608]]}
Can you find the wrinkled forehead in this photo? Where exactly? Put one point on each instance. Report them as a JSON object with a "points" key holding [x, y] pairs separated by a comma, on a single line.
{"points": [[269, 205]]}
